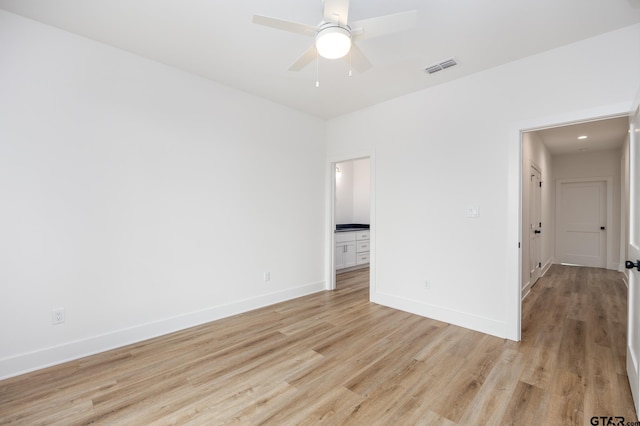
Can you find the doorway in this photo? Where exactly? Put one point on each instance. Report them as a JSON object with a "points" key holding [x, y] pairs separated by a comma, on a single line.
{"points": [[557, 152], [352, 217], [351, 233], [581, 212]]}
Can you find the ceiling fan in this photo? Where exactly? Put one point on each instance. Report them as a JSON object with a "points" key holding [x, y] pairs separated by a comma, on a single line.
{"points": [[335, 35]]}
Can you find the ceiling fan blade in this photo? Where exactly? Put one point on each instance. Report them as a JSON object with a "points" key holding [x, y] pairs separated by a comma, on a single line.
{"points": [[305, 59], [383, 25], [336, 11], [358, 61], [290, 26]]}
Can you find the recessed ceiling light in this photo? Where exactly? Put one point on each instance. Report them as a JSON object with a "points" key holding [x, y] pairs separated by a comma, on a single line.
{"points": [[582, 137]]}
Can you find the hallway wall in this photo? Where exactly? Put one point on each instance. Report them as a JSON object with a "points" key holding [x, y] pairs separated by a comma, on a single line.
{"points": [[535, 153]]}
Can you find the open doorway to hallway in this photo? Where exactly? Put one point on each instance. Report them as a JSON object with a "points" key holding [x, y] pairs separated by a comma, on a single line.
{"points": [[585, 200], [579, 195]]}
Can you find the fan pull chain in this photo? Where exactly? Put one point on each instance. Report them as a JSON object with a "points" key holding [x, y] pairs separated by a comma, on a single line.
{"points": [[317, 69], [350, 66]]}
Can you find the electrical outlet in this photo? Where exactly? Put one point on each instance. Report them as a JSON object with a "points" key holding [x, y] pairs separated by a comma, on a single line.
{"points": [[267, 277], [427, 285], [57, 316]]}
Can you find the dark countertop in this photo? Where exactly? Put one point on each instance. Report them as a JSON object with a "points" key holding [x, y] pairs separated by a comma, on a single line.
{"points": [[350, 227]]}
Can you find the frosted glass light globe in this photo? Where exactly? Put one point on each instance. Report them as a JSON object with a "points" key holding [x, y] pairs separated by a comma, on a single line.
{"points": [[333, 42]]}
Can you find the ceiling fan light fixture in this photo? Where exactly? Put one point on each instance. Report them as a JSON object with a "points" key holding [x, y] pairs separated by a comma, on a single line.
{"points": [[333, 42]]}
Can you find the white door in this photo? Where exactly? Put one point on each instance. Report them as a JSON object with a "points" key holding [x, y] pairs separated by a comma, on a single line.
{"points": [[535, 225], [633, 255], [581, 237]]}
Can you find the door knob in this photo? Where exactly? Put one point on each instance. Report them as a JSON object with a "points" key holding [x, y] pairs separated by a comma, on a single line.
{"points": [[630, 265]]}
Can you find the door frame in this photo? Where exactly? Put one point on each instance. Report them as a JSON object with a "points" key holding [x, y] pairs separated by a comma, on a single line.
{"points": [[331, 219], [513, 299], [633, 254], [608, 180], [537, 194]]}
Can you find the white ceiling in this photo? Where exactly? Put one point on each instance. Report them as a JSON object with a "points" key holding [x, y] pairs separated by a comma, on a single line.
{"points": [[601, 135], [217, 40]]}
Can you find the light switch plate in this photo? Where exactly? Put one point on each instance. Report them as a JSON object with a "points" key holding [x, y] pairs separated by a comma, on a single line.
{"points": [[473, 211]]}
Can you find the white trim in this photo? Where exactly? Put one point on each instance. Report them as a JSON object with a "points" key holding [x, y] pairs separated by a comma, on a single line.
{"points": [[513, 295], [439, 313], [526, 290], [31, 361], [546, 266], [632, 372]]}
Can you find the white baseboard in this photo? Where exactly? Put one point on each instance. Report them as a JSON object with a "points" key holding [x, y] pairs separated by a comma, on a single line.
{"points": [[546, 266], [42, 358], [526, 290], [472, 322], [625, 278], [633, 373]]}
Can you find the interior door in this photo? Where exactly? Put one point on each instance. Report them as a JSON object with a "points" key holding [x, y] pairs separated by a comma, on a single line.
{"points": [[633, 260], [582, 223], [535, 225]]}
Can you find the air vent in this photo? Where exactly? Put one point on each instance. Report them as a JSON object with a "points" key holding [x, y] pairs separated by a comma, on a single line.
{"points": [[441, 66], [433, 68]]}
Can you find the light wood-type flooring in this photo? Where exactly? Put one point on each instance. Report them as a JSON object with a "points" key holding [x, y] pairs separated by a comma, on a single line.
{"points": [[335, 358]]}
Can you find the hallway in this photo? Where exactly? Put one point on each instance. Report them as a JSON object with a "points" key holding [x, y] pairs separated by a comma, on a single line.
{"points": [[574, 336]]}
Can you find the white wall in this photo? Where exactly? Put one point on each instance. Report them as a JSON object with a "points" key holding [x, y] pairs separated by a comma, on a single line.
{"points": [[443, 149], [344, 193], [361, 191], [535, 153], [142, 199], [597, 164], [353, 192]]}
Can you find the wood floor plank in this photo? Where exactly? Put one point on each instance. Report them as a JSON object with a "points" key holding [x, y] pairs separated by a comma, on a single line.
{"points": [[602, 379], [541, 366], [335, 358], [572, 350], [491, 401], [565, 404], [525, 405]]}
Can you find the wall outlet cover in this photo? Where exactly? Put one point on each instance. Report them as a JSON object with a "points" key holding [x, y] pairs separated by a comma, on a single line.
{"points": [[58, 316]]}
